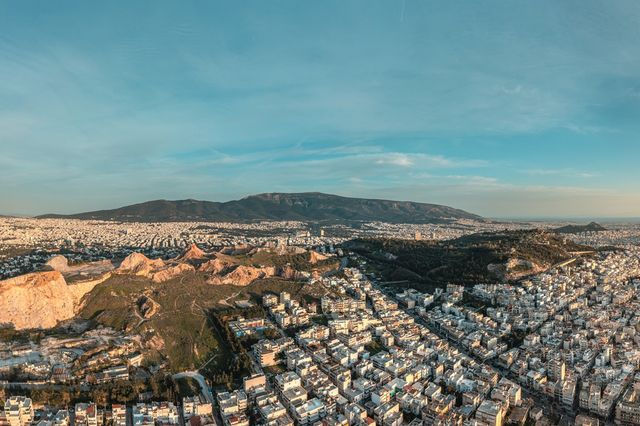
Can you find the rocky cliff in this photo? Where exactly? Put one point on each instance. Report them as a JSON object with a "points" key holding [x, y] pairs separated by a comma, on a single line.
{"points": [[156, 269], [42, 299]]}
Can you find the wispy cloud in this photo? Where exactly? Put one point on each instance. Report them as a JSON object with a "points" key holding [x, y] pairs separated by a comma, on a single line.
{"points": [[396, 159], [223, 101], [561, 172], [588, 129]]}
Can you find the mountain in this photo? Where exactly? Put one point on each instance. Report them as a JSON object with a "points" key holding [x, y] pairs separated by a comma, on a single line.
{"points": [[308, 206], [576, 229], [488, 257]]}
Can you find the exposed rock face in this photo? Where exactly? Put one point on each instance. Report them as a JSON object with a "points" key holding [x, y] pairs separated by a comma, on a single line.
{"points": [[192, 253], [315, 257], [518, 268], [41, 299], [147, 307], [79, 272], [282, 249], [215, 266], [58, 263], [515, 269], [223, 267], [289, 273], [155, 269], [171, 272], [139, 264], [243, 275]]}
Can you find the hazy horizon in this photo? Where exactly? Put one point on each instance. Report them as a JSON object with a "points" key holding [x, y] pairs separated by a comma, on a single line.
{"points": [[576, 219], [503, 109]]}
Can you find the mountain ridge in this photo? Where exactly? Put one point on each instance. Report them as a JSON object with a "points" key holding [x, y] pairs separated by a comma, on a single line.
{"points": [[305, 206], [576, 229]]}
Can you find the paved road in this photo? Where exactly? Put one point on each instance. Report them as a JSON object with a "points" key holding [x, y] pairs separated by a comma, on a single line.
{"points": [[201, 381]]}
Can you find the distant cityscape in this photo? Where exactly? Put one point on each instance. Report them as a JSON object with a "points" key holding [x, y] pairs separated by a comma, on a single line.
{"points": [[93, 240]]}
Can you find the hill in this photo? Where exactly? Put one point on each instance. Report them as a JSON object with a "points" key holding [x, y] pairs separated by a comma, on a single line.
{"points": [[472, 259], [576, 229], [168, 302], [308, 207]]}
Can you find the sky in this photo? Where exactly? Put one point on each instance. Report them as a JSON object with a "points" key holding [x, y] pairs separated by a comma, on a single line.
{"points": [[502, 108]]}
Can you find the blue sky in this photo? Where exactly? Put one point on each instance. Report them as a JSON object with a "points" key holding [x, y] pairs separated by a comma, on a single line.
{"points": [[502, 108]]}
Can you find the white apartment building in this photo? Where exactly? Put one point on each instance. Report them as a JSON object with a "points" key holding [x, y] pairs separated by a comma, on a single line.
{"points": [[18, 411]]}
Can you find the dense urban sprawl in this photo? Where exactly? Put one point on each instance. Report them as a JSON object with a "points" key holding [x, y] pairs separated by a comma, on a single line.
{"points": [[560, 346]]}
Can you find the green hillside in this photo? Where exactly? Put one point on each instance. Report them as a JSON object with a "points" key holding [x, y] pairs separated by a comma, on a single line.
{"points": [[172, 315], [472, 259]]}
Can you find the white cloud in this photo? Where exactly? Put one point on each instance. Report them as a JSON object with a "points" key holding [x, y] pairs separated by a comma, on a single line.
{"points": [[396, 159], [571, 173]]}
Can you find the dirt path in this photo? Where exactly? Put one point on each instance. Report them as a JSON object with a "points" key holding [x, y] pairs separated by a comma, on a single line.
{"points": [[225, 301]]}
